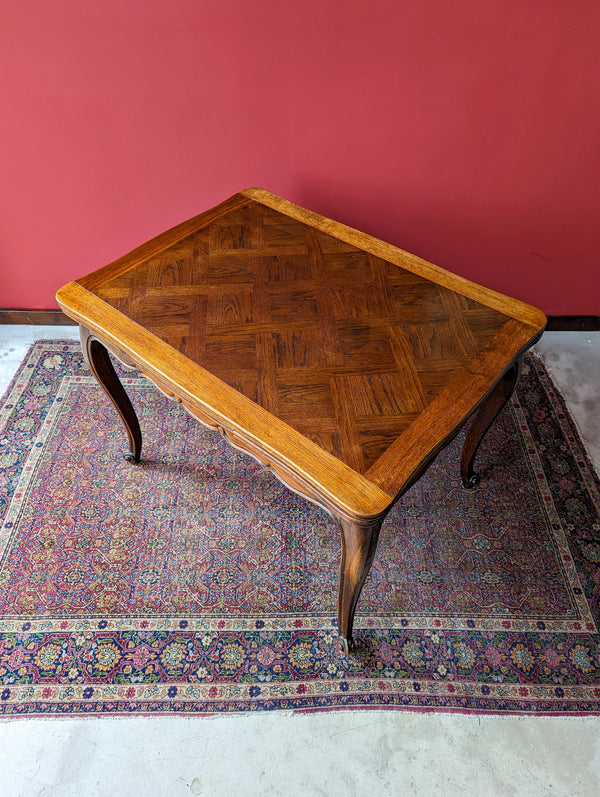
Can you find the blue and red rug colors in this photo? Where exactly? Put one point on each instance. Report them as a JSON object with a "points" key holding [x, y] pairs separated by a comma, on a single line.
{"points": [[196, 583]]}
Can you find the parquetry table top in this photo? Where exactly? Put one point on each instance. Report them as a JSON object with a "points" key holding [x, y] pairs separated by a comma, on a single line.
{"points": [[354, 344]]}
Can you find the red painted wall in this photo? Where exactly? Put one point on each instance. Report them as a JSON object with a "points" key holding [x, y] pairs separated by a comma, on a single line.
{"points": [[466, 131]]}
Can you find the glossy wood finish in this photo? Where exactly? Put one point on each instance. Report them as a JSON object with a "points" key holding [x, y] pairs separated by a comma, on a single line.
{"points": [[484, 418], [563, 323], [359, 544], [340, 362], [96, 356]]}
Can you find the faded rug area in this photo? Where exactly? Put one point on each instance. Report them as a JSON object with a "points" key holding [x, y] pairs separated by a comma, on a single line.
{"points": [[196, 583]]}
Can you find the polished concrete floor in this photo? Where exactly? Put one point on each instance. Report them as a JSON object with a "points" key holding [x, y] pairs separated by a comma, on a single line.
{"points": [[340, 753]]}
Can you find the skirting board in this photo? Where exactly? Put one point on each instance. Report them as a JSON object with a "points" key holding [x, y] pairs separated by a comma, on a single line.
{"points": [[563, 323], [573, 323], [47, 318]]}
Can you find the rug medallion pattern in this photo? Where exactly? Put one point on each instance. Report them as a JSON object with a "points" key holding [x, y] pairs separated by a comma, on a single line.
{"points": [[196, 583]]}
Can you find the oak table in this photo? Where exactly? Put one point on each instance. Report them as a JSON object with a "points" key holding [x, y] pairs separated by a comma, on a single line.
{"points": [[340, 362]]}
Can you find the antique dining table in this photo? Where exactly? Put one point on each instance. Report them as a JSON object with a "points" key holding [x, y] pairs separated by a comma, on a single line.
{"points": [[341, 363]]}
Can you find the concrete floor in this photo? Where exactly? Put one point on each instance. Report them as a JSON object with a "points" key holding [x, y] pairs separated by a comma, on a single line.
{"points": [[341, 753]]}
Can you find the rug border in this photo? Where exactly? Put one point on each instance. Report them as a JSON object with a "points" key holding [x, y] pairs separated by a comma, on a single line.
{"points": [[547, 376], [39, 711]]}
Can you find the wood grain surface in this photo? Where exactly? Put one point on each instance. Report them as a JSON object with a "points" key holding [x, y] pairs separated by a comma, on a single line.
{"points": [[371, 354], [342, 363]]}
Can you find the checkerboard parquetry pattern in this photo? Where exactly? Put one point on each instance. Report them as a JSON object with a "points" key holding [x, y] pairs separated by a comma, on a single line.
{"points": [[323, 335]]}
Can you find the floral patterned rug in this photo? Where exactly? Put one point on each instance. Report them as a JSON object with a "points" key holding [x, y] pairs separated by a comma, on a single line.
{"points": [[196, 583]]}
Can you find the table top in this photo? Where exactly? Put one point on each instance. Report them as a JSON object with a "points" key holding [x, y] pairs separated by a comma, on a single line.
{"points": [[345, 358]]}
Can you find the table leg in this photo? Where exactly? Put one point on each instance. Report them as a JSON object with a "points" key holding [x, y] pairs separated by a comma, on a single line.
{"points": [[359, 543], [484, 418], [98, 360]]}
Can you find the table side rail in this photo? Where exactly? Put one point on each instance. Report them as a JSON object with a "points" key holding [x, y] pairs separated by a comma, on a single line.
{"points": [[316, 472], [159, 243], [513, 308], [416, 448]]}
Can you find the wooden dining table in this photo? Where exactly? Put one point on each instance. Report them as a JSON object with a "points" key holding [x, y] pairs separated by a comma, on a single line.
{"points": [[341, 363]]}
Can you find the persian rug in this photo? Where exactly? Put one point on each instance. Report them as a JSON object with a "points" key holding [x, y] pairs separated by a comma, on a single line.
{"points": [[196, 583]]}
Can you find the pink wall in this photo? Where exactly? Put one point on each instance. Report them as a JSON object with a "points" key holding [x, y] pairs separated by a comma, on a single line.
{"points": [[466, 131]]}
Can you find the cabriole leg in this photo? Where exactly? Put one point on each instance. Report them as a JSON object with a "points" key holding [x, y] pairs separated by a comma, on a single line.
{"points": [[99, 363], [359, 543], [484, 418]]}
